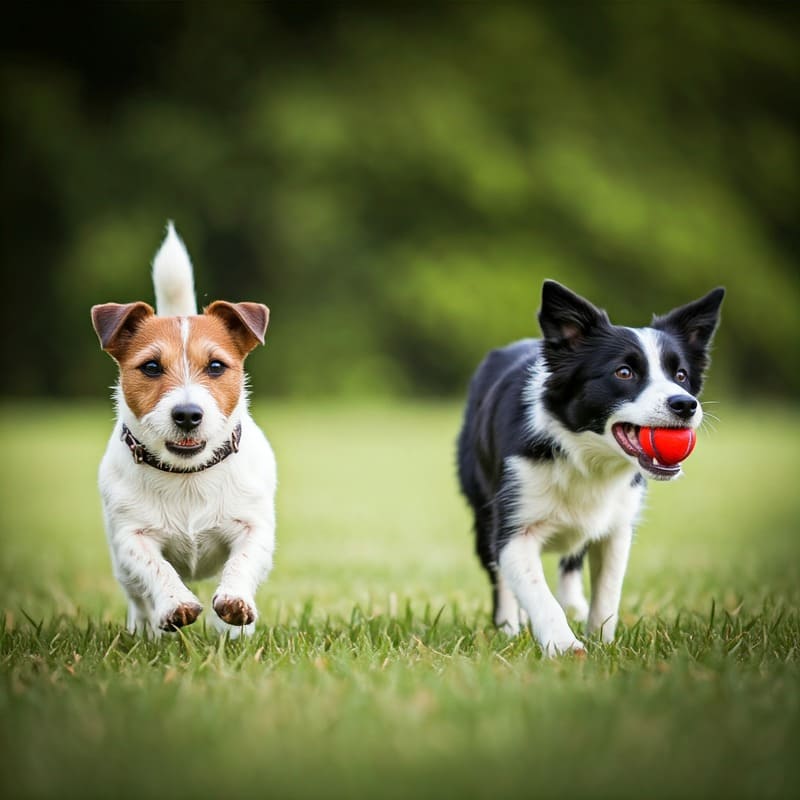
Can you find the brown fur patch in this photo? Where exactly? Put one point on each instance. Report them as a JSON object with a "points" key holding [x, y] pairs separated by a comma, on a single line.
{"points": [[210, 340], [247, 322], [161, 339], [156, 339]]}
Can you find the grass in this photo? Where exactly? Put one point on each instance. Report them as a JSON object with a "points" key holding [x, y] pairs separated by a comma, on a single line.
{"points": [[374, 671]]}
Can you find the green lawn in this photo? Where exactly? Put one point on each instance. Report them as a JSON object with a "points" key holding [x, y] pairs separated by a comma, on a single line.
{"points": [[374, 671]]}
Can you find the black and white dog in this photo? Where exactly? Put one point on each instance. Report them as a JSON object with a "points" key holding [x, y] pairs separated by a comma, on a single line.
{"points": [[549, 458]]}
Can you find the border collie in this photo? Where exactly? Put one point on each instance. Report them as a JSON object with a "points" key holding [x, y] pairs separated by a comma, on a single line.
{"points": [[549, 458]]}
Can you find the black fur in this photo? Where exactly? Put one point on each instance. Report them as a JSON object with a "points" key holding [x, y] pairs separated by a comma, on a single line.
{"points": [[573, 562], [494, 430], [688, 330]]}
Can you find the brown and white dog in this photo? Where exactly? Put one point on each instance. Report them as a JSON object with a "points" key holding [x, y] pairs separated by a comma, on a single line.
{"points": [[188, 479]]}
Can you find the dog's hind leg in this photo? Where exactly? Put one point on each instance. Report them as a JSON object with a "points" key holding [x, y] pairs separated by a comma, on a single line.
{"points": [[138, 621], [507, 612], [570, 586], [505, 608], [608, 559]]}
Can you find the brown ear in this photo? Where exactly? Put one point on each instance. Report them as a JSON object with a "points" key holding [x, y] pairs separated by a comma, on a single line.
{"points": [[247, 322], [115, 323]]}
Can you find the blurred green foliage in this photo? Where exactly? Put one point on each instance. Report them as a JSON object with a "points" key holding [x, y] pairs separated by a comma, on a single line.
{"points": [[395, 180]]}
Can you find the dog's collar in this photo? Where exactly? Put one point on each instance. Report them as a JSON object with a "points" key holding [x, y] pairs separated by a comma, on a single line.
{"points": [[143, 456]]}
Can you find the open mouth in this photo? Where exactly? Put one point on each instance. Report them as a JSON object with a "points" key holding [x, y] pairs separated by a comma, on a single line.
{"points": [[627, 436], [185, 447]]}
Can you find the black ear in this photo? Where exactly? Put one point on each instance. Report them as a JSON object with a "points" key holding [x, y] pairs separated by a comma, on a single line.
{"points": [[566, 317], [695, 323]]}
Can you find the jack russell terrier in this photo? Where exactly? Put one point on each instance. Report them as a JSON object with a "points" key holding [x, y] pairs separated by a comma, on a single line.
{"points": [[188, 479]]}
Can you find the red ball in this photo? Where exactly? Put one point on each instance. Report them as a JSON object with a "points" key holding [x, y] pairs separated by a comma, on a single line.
{"points": [[668, 446]]}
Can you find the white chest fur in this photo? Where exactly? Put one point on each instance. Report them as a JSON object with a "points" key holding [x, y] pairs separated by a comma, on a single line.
{"points": [[194, 520], [564, 508]]}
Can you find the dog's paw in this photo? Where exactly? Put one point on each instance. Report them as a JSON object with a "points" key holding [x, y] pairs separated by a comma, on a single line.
{"points": [[573, 647], [234, 610], [180, 616]]}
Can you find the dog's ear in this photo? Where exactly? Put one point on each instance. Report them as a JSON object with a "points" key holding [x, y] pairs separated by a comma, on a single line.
{"points": [[247, 322], [115, 323], [695, 323], [565, 317]]}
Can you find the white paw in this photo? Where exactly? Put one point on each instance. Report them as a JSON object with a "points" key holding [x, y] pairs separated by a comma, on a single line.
{"points": [[605, 632], [508, 627], [564, 647], [141, 626]]}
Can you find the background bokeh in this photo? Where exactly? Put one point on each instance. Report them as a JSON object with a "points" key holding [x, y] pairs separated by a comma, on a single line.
{"points": [[395, 180]]}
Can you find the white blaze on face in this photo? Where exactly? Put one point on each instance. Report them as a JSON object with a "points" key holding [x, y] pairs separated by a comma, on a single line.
{"points": [[188, 391], [185, 354], [650, 408], [649, 339]]}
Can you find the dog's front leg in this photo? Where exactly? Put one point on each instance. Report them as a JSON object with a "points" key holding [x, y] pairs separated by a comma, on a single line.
{"points": [[158, 599], [248, 564], [520, 564], [608, 560]]}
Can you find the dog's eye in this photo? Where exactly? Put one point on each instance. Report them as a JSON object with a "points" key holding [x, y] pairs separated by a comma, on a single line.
{"points": [[215, 368], [624, 373], [151, 368], [681, 375]]}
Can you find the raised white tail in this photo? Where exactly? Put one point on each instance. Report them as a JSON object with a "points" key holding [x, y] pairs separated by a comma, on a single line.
{"points": [[173, 278]]}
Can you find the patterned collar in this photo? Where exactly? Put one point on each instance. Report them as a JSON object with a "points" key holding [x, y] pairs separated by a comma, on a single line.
{"points": [[142, 456]]}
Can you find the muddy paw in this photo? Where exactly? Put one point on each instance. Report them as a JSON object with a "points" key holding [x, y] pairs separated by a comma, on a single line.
{"points": [[182, 615], [234, 610]]}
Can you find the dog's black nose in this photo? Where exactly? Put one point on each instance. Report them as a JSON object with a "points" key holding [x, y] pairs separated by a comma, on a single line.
{"points": [[187, 417], [683, 405]]}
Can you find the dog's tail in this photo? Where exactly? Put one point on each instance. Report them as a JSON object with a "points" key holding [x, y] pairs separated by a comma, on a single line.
{"points": [[172, 278]]}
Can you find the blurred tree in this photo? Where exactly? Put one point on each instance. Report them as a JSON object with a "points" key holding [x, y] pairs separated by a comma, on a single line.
{"points": [[396, 181]]}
